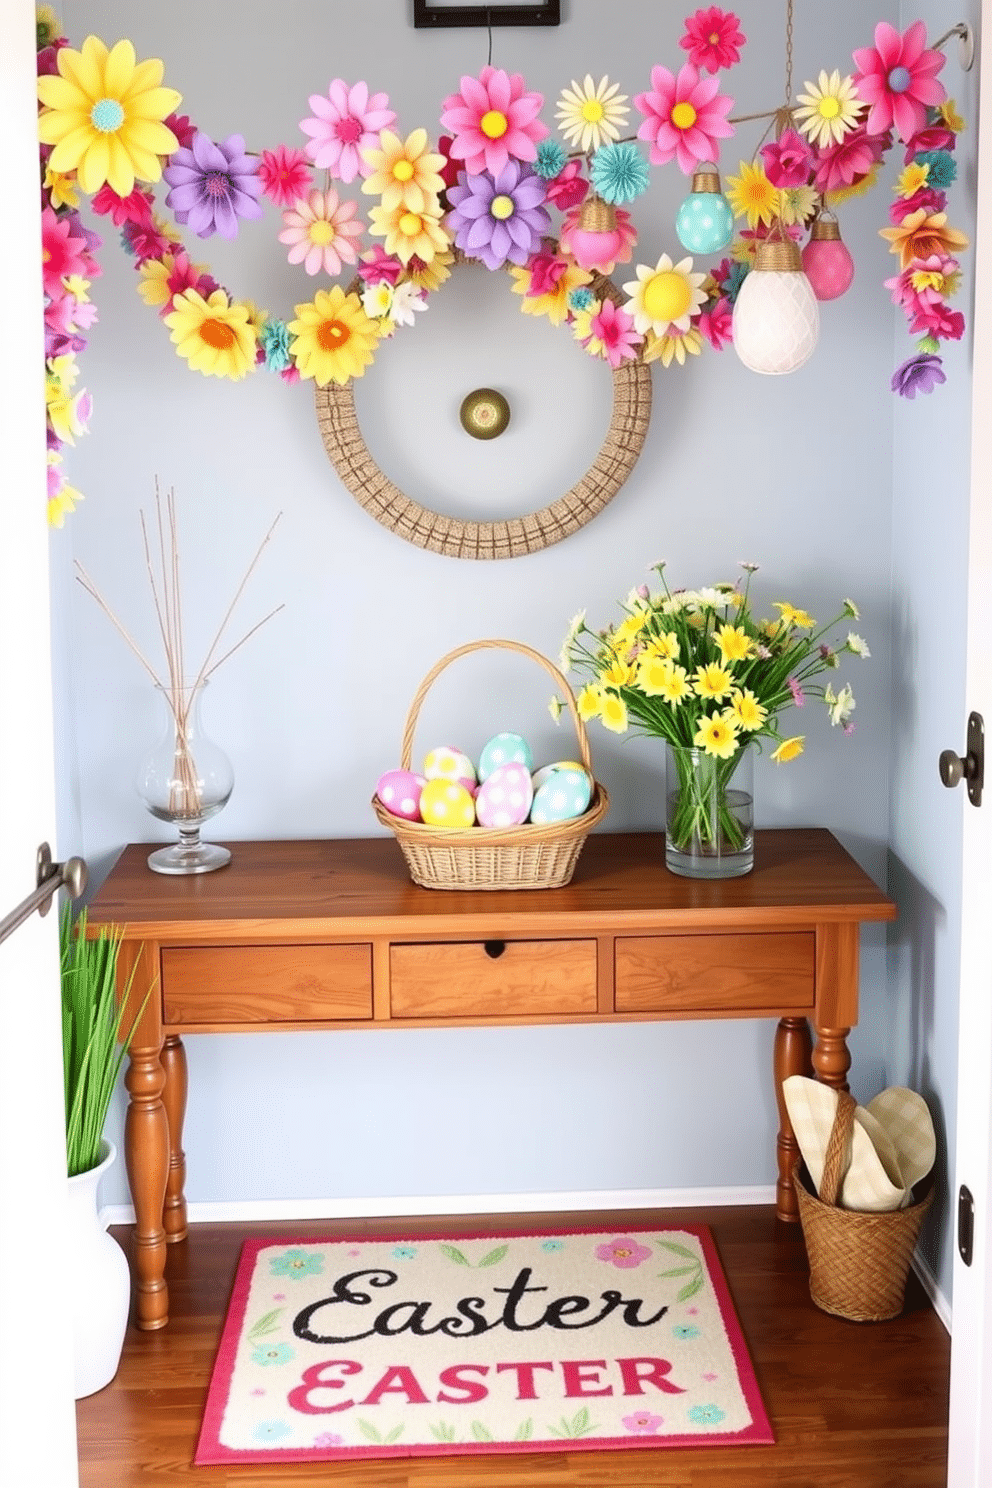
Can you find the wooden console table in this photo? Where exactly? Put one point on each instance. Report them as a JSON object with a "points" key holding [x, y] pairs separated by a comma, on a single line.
{"points": [[332, 934]]}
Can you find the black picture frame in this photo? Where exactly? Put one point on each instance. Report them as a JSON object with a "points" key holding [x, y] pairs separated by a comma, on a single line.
{"points": [[535, 13]]}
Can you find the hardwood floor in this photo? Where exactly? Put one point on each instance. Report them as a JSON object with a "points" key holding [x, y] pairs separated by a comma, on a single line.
{"points": [[852, 1405]]}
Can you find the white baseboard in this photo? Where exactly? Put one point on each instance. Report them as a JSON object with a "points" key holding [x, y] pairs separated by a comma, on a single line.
{"points": [[931, 1286], [243, 1211]]}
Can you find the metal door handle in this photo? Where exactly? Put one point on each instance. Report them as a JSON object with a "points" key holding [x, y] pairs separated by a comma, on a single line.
{"points": [[971, 766], [49, 877]]}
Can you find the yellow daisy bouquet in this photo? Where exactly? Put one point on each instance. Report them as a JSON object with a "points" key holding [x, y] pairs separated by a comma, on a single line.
{"points": [[696, 668]]}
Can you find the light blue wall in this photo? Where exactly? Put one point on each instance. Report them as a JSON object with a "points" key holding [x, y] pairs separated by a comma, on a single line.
{"points": [[794, 473]]}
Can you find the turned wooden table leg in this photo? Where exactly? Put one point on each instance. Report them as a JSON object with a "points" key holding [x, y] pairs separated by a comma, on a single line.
{"points": [[793, 1045], [832, 1057], [146, 1152], [174, 1101]]}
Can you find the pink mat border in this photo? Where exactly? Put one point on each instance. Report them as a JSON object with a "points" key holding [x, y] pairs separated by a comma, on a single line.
{"points": [[211, 1452]]}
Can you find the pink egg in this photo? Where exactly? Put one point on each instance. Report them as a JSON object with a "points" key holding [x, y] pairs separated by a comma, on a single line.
{"points": [[504, 800], [399, 791]]}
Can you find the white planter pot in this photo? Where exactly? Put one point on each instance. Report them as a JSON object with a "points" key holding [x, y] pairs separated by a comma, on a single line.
{"points": [[99, 1281]]}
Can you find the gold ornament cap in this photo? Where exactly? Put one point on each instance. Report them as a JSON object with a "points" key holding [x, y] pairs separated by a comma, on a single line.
{"points": [[825, 230], [484, 414], [778, 256], [596, 215], [706, 182]]}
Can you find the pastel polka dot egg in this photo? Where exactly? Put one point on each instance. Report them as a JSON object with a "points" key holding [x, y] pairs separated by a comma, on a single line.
{"points": [[447, 803], [562, 796], [445, 762], [504, 749], [541, 775], [505, 797], [400, 792]]}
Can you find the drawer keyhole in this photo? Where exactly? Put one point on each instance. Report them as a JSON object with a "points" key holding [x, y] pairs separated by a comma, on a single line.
{"points": [[494, 948]]}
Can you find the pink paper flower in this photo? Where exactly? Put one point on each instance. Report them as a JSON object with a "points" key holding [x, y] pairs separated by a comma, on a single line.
{"points": [[934, 137], [923, 284], [493, 119], [938, 321], [624, 1252], [379, 267], [546, 270], [712, 38], [849, 161], [285, 175], [717, 323], [568, 188], [134, 208], [905, 206], [319, 232], [897, 78], [788, 160], [181, 127], [613, 329], [62, 254], [344, 124], [684, 117]]}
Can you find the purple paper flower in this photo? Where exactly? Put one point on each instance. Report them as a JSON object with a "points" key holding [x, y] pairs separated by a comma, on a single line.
{"points": [[499, 218], [921, 374], [213, 185]]}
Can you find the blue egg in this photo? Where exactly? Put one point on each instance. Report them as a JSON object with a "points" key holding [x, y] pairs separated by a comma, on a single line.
{"points": [[504, 749], [563, 796]]}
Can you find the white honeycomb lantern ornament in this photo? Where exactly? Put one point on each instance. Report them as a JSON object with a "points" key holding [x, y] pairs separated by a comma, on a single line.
{"points": [[776, 317]]}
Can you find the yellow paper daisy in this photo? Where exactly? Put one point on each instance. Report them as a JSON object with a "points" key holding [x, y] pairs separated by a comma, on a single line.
{"points": [[674, 347], [333, 338], [792, 616], [593, 114], [912, 179], [712, 681], [103, 113], [949, 113], [554, 304], [430, 276], [676, 686], [752, 195], [408, 234], [797, 203], [61, 189], [666, 645], [734, 642], [65, 498], [589, 702], [717, 735], [613, 713], [789, 749], [747, 712], [664, 298], [829, 111], [214, 336], [654, 674], [405, 173]]}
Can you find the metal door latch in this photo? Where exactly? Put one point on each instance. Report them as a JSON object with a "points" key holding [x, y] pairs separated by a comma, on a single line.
{"points": [[970, 767], [966, 1224]]}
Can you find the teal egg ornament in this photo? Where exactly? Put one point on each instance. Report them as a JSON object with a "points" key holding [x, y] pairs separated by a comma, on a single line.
{"points": [[564, 795], [504, 749], [705, 220]]}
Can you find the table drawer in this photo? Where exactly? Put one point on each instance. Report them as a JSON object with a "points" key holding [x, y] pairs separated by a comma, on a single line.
{"points": [[266, 984], [715, 973], [524, 978]]}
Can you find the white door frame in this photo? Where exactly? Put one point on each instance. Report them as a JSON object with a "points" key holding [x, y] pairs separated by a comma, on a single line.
{"points": [[37, 1418], [970, 1456]]}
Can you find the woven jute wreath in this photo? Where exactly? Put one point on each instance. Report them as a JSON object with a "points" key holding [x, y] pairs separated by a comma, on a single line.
{"points": [[515, 536]]}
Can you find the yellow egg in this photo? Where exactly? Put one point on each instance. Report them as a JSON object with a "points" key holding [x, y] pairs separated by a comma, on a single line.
{"points": [[445, 803]]}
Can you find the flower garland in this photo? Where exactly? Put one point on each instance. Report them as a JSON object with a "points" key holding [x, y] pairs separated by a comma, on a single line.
{"points": [[488, 190]]}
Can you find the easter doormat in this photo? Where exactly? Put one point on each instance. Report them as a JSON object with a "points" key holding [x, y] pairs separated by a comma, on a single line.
{"points": [[479, 1344]]}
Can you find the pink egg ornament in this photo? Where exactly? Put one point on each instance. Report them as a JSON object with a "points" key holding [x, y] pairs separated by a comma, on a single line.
{"points": [[400, 791], [504, 799]]}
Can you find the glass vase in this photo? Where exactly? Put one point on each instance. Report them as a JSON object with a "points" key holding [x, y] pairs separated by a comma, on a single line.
{"points": [[186, 780], [709, 824]]}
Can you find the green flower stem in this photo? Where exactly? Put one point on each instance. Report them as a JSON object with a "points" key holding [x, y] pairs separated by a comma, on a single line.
{"points": [[701, 812]]}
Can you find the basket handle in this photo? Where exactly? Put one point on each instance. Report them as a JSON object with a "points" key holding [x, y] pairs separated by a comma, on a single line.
{"points": [[838, 1154], [406, 752]]}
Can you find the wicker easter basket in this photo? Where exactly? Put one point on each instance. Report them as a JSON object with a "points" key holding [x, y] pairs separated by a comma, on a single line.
{"points": [[524, 857], [858, 1262]]}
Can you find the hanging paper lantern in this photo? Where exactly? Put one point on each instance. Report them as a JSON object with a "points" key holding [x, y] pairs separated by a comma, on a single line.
{"points": [[828, 264], [705, 220], [776, 319]]}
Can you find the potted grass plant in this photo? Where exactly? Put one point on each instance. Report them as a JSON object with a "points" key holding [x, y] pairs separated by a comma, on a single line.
{"points": [[96, 1032]]}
